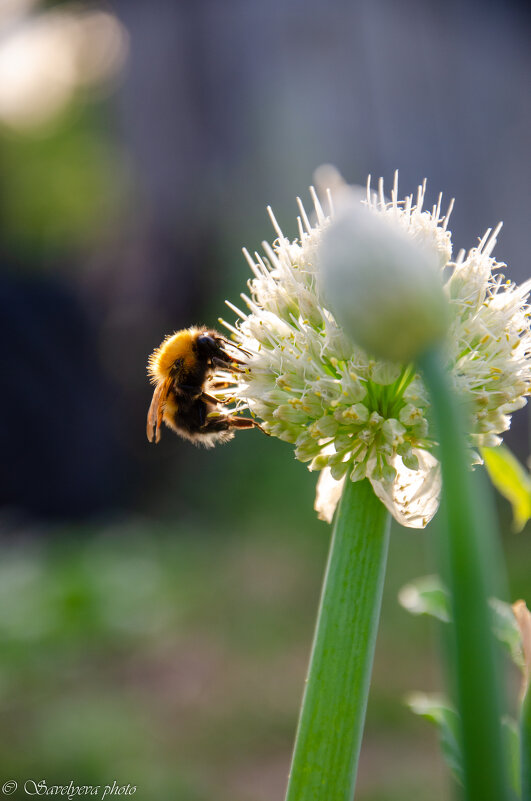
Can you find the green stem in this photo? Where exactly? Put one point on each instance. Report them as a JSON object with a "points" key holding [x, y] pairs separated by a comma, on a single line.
{"points": [[525, 746], [468, 549], [328, 741]]}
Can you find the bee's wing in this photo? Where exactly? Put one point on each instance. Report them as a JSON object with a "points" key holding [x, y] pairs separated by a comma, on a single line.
{"points": [[156, 409]]}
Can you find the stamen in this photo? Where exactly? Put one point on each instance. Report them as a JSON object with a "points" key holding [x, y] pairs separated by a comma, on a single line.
{"points": [[447, 217], [236, 310], [274, 223], [317, 205], [304, 216], [251, 263]]}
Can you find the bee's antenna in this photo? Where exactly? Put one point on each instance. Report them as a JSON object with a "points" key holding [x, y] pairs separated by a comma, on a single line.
{"points": [[247, 352], [236, 347]]}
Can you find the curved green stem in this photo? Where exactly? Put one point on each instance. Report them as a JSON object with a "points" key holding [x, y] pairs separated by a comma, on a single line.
{"points": [[469, 550], [332, 715]]}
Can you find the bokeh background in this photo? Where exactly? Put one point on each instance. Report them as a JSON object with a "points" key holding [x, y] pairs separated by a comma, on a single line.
{"points": [[157, 603]]}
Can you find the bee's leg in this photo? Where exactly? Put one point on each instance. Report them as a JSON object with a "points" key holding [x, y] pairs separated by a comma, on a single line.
{"points": [[229, 366], [211, 399], [227, 422], [243, 422], [220, 384], [247, 422], [201, 409]]}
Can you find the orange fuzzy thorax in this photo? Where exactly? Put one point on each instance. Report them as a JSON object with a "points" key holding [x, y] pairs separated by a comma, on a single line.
{"points": [[176, 346]]}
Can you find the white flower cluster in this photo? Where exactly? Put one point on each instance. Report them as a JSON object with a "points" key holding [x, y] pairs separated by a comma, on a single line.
{"points": [[353, 416]]}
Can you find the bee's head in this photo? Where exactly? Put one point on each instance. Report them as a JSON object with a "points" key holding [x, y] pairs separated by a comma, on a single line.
{"points": [[210, 343]]}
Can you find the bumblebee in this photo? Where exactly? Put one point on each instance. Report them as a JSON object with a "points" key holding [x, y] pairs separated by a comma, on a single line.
{"points": [[183, 369]]}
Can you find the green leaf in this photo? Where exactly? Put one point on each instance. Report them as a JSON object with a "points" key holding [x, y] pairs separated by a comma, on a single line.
{"points": [[439, 711], [511, 480], [505, 629], [471, 565], [426, 596]]}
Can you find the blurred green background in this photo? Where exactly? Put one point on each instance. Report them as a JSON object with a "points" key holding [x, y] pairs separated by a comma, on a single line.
{"points": [[157, 603], [170, 651]]}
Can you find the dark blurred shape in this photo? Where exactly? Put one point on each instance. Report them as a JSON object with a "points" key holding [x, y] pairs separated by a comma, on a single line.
{"points": [[57, 432]]}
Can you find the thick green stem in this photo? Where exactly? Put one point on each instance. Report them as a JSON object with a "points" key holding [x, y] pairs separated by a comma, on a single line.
{"points": [[328, 741], [468, 549]]}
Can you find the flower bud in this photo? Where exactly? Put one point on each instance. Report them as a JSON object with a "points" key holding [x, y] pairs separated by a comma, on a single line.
{"points": [[384, 288]]}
